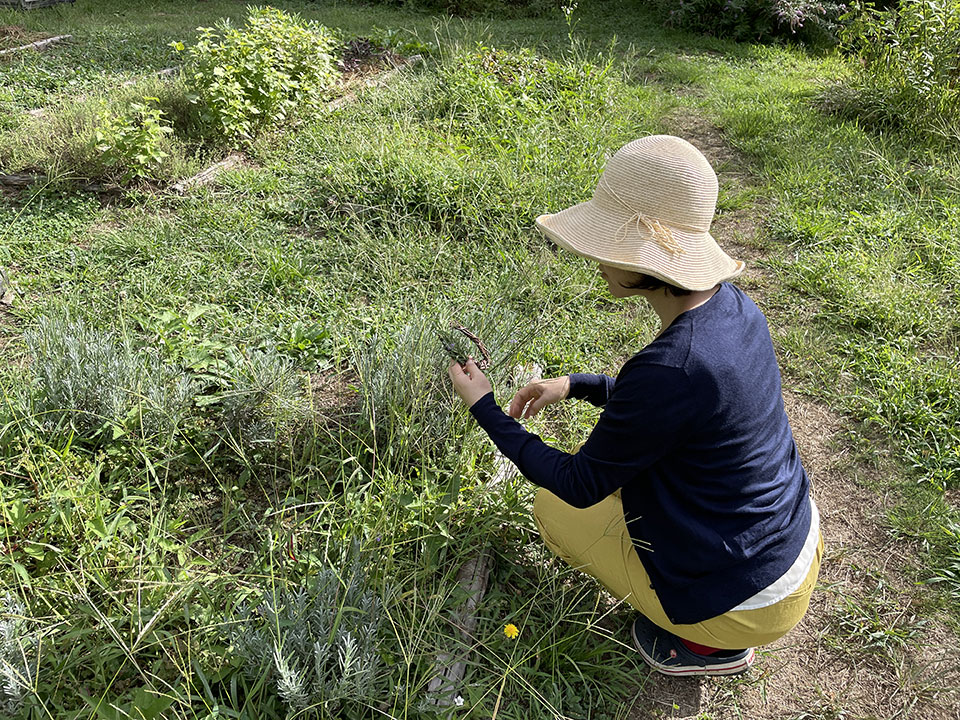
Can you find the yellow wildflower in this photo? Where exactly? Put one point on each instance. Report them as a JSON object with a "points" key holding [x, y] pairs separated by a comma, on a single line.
{"points": [[511, 631]]}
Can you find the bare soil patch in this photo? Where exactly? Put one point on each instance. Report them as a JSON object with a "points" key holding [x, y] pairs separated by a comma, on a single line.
{"points": [[865, 648], [361, 56], [335, 397]]}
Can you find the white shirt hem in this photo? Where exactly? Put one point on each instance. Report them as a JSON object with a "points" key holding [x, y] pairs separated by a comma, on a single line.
{"points": [[792, 578]]}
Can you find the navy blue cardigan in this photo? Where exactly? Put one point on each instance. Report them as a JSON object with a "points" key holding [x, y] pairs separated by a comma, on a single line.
{"points": [[695, 436]]}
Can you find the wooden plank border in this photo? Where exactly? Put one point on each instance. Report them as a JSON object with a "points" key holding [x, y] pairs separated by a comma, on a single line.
{"points": [[38, 45], [474, 576]]}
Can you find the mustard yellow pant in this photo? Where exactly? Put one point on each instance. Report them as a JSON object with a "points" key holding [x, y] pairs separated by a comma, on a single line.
{"points": [[596, 541]]}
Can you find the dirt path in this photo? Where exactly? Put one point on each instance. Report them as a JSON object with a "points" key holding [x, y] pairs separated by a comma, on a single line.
{"points": [[865, 649]]}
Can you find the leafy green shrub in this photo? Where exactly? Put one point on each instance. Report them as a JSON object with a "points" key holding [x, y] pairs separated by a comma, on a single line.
{"points": [[316, 647], [246, 79], [84, 380], [18, 671], [910, 74], [811, 21], [134, 141]]}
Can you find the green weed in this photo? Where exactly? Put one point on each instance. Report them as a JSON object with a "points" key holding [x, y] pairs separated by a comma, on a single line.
{"points": [[299, 297], [134, 141], [247, 79]]}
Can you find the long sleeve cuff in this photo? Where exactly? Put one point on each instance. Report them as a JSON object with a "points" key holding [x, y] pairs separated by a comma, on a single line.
{"points": [[595, 389], [569, 477]]}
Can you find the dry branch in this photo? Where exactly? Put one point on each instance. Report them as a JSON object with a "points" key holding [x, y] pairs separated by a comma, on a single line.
{"points": [[38, 45], [206, 176], [20, 180]]}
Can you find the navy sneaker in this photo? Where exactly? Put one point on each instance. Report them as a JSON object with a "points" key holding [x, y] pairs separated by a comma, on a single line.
{"points": [[666, 653]]}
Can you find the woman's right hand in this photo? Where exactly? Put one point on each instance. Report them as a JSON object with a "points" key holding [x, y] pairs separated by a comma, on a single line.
{"points": [[532, 398]]}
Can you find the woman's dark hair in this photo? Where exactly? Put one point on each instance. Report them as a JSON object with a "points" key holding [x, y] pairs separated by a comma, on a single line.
{"points": [[648, 282]]}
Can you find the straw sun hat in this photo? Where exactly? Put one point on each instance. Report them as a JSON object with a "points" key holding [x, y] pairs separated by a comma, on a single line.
{"points": [[650, 213]]}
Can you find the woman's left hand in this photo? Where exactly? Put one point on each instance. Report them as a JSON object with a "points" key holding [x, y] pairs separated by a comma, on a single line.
{"points": [[468, 381]]}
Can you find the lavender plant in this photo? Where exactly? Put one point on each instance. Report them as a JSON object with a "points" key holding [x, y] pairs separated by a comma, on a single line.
{"points": [[18, 670], [85, 380], [317, 646], [408, 401], [263, 408]]}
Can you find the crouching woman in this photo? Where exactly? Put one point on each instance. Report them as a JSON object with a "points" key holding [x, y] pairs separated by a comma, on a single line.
{"points": [[688, 499]]}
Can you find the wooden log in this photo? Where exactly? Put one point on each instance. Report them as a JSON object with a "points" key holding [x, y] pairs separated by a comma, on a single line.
{"points": [[207, 176], [30, 4], [20, 180], [38, 45], [474, 576], [6, 289]]}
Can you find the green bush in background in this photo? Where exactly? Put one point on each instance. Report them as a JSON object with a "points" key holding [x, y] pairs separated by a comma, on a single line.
{"points": [[246, 79], [814, 22], [911, 65]]}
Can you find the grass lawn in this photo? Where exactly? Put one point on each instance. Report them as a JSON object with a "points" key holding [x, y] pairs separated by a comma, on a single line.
{"points": [[222, 405]]}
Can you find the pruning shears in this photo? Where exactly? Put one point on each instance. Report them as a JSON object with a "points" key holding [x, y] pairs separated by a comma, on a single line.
{"points": [[453, 351]]}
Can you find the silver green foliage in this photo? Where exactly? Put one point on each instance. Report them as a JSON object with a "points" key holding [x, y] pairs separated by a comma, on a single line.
{"points": [[408, 399], [86, 379], [317, 646], [266, 396], [18, 669]]}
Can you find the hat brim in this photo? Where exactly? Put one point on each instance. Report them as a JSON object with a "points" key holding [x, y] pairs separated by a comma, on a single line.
{"points": [[616, 239]]}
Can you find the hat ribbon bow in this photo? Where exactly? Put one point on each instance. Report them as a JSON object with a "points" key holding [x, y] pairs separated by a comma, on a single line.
{"points": [[661, 235]]}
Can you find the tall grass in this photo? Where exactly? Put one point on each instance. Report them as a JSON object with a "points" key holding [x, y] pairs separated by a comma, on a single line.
{"points": [[300, 297]]}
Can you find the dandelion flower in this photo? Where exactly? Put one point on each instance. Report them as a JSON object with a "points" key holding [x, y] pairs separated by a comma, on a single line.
{"points": [[511, 631]]}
